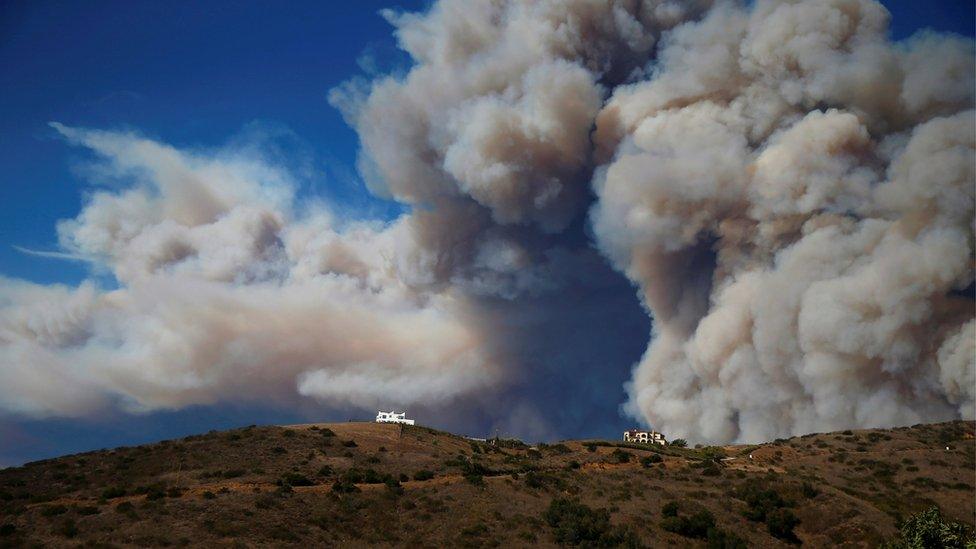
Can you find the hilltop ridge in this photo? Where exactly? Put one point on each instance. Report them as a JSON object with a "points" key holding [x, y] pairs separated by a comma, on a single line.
{"points": [[386, 484]]}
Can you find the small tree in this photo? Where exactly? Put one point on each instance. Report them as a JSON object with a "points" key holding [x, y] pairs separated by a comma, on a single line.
{"points": [[575, 523], [679, 443], [930, 530], [620, 456], [780, 523], [650, 460]]}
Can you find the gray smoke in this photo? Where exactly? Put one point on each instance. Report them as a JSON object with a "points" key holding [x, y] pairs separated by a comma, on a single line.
{"points": [[826, 175], [791, 192]]}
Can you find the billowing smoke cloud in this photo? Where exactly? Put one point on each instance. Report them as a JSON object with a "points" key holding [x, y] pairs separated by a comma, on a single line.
{"points": [[824, 177], [226, 293], [791, 193]]}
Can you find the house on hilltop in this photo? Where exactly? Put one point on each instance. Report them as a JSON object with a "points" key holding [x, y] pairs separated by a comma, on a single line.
{"points": [[644, 437], [393, 417]]}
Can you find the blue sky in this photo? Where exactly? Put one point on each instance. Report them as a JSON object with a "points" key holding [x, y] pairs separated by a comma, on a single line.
{"points": [[187, 73], [197, 75]]}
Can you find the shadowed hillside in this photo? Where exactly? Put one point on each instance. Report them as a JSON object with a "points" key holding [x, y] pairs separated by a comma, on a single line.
{"points": [[355, 484]]}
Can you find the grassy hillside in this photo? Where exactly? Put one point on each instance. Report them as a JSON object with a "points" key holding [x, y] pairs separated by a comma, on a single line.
{"points": [[358, 484]]}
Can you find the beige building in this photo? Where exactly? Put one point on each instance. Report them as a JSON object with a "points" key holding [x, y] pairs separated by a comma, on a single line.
{"points": [[644, 437], [393, 417]]}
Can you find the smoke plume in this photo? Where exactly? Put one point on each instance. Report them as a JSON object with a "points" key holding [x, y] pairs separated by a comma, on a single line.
{"points": [[825, 176], [790, 192]]}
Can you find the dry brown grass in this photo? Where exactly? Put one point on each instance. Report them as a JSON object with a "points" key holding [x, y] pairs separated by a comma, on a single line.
{"points": [[225, 489]]}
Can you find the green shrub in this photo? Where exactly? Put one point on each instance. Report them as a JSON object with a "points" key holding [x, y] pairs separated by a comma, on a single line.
{"points": [[649, 461], [695, 526], [720, 539], [114, 492], [68, 528], [393, 486], [7, 530], [295, 479], [713, 453], [574, 523], [326, 432], [349, 443], [930, 530], [53, 510], [760, 500], [343, 486], [679, 443], [325, 471], [620, 456], [209, 495], [476, 530], [512, 443], [560, 448], [780, 523], [535, 479], [670, 509], [423, 474], [711, 470], [370, 476]]}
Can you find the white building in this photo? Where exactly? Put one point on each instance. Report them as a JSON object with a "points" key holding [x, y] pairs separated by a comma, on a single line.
{"points": [[644, 437], [393, 417]]}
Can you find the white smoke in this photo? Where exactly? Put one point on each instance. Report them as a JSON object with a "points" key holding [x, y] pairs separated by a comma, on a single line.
{"points": [[226, 294], [827, 175], [791, 192]]}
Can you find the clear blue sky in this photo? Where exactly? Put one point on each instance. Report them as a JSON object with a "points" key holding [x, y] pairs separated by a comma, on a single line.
{"points": [[195, 73]]}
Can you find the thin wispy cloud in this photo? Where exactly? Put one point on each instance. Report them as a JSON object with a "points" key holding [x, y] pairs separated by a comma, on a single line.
{"points": [[53, 254]]}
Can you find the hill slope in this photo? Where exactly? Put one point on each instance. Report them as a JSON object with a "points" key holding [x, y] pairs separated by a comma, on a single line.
{"points": [[356, 484]]}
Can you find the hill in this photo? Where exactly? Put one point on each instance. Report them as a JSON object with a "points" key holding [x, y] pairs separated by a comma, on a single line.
{"points": [[358, 484]]}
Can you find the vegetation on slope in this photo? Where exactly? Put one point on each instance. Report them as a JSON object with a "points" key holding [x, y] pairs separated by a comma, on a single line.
{"points": [[376, 484]]}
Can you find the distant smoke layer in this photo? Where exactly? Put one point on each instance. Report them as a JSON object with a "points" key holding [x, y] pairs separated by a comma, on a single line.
{"points": [[791, 193]]}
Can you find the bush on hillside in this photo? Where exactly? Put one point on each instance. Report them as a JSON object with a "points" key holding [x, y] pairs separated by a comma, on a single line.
{"points": [[620, 456], [766, 505], [780, 523], [423, 474], [343, 486], [930, 530], [650, 460], [575, 523], [720, 539], [694, 526], [761, 501], [295, 479]]}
